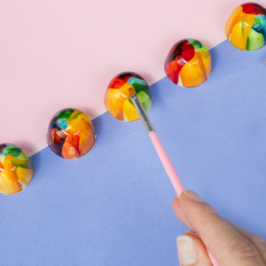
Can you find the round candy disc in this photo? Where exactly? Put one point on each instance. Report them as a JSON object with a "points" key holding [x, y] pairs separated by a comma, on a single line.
{"points": [[188, 64], [117, 98], [246, 27], [16, 170], [70, 134]]}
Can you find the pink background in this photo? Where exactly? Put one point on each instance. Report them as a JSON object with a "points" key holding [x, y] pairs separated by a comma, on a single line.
{"points": [[61, 53]]}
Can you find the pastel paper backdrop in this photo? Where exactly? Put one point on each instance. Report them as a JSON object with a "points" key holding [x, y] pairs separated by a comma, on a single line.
{"points": [[62, 54]]}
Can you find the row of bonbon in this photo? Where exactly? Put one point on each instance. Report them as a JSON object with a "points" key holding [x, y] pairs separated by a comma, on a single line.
{"points": [[188, 64]]}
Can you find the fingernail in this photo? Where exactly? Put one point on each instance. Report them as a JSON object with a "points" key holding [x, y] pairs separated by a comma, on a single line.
{"points": [[177, 196], [187, 251], [192, 195]]}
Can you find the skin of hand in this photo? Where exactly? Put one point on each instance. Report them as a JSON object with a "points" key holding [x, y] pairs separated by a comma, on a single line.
{"points": [[230, 244]]}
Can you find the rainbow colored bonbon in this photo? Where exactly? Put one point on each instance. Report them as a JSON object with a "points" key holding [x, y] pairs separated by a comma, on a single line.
{"points": [[246, 27], [16, 170], [117, 98], [188, 64], [71, 134]]}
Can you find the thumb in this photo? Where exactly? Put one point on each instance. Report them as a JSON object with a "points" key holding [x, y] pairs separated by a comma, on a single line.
{"points": [[191, 250], [227, 245]]}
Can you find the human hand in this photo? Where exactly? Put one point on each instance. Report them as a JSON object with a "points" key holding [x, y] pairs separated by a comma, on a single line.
{"points": [[230, 244]]}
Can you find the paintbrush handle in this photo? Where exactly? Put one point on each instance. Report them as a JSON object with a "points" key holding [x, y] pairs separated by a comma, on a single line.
{"points": [[167, 164], [171, 172]]}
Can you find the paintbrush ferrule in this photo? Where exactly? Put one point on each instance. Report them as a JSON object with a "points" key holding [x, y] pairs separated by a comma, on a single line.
{"points": [[142, 113]]}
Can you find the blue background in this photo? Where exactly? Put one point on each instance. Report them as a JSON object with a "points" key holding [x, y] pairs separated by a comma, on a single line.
{"points": [[113, 206]]}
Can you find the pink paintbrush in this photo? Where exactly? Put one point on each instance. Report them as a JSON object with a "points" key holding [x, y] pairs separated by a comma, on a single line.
{"points": [[167, 164]]}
